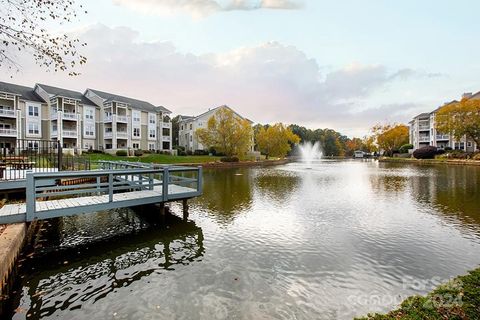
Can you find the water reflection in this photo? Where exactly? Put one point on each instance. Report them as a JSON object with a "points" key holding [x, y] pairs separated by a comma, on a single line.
{"points": [[226, 193], [66, 277]]}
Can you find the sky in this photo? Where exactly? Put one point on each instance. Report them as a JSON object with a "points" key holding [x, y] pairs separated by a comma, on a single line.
{"points": [[344, 64]]}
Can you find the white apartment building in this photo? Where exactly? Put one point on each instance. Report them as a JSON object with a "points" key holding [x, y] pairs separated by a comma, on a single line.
{"points": [[133, 124], [423, 132], [187, 125], [93, 120]]}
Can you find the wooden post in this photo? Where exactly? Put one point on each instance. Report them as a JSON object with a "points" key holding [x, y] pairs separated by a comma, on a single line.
{"points": [[30, 196], [162, 208], [110, 187], [185, 209], [165, 182]]}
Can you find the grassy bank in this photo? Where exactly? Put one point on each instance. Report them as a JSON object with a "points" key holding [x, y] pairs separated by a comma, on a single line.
{"points": [[153, 158], [458, 299], [431, 161]]}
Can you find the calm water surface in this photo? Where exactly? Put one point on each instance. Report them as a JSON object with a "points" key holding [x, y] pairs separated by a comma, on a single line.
{"points": [[336, 241]]}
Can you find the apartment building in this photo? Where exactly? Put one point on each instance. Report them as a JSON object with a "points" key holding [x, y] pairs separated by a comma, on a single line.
{"points": [[187, 125], [423, 131], [81, 121], [127, 123], [23, 115]]}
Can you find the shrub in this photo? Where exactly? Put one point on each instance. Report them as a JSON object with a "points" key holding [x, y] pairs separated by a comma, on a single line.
{"points": [[148, 151], [448, 149], [229, 159], [428, 152], [458, 154], [200, 152], [405, 148], [476, 156], [122, 153], [189, 152], [95, 151], [440, 151], [138, 153], [179, 148], [182, 153]]}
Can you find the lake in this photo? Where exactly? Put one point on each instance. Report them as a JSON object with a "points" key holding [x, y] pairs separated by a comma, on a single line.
{"points": [[336, 241]]}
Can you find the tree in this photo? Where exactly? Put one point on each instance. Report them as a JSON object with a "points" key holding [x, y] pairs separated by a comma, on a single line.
{"points": [[23, 27], [460, 119], [275, 140], [227, 133], [390, 137]]}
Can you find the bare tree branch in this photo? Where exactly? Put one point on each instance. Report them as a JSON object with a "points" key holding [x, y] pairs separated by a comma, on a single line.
{"points": [[23, 28]]}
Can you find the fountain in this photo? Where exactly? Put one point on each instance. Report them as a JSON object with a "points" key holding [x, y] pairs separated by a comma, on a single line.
{"points": [[309, 152]]}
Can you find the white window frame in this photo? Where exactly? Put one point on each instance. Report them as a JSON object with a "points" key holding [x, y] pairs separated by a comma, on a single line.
{"points": [[139, 132]]}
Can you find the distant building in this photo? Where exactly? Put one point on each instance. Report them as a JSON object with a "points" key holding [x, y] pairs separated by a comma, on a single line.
{"points": [[187, 125], [423, 131]]}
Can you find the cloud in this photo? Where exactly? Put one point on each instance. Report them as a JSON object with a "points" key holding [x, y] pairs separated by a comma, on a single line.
{"points": [[201, 8], [267, 83]]}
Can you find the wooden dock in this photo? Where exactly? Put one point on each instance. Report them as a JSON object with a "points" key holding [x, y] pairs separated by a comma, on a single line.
{"points": [[102, 190]]}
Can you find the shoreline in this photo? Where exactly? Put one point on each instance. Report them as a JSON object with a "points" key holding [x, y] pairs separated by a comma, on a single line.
{"points": [[457, 162], [456, 299], [240, 164]]}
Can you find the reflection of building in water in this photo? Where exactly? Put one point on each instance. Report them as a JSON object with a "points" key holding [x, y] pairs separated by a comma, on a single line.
{"points": [[94, 270], [452, 190]]}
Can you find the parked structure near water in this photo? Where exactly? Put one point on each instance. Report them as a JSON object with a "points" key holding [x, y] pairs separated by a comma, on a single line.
{"points": [[423, 131], [81, 121], [187, 125]]}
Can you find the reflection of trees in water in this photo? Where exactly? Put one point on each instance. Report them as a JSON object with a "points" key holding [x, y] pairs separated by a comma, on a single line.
{"points": [[226, 192], [276, 185], [94, 270], [452, 190], [388, 183]]}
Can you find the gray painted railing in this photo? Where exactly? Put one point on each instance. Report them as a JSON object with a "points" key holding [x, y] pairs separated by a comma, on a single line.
{"points": [[109, 182]]}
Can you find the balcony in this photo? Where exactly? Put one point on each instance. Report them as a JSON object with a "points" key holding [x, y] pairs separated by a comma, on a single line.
{"points": [[122, 119], [424, 128], [8, 113], [166, 138], [66, 133], [424, 139], [8, 132], [108, 135], [122, 134], [107, 118], [69, 116], [167, 125], [69, 133], [443, 137], [66, 116]]}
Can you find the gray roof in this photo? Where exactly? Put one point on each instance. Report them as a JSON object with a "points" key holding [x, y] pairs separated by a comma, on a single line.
{"points": [[25, 93], [144, 105], [66, 94], [209, 110]]}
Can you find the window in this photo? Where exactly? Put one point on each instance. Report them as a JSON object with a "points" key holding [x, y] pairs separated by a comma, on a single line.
{"points": [[33, 146], [151, 146], [191, 126], [89, 130], [181, 127], [108, 129], [136, 116], [152, 133], [152, 119], [33, 111], [191, 138], [469, 144], [136, 146], [89, 114], [108, 146], [33, 128], [136, 132]]}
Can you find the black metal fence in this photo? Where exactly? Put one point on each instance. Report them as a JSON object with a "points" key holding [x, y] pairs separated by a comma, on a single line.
{"points": [[17, 156]]}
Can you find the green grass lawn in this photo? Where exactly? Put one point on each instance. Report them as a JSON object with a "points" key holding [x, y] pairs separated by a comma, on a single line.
{"points": [[153, 158]]}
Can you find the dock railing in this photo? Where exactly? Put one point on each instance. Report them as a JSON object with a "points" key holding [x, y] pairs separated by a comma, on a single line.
{"points": [[99, 187]]}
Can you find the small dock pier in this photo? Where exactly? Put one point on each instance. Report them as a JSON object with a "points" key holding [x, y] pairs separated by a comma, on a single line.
{"points": [[113, 185]]}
